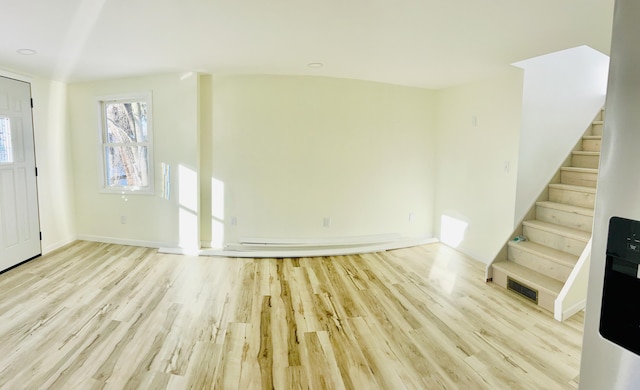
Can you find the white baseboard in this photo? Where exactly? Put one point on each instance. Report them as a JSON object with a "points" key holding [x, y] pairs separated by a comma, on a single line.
{"points": [[573, 309], [471, 254], [206, 244], [319, 242], [180, 251], [57, 245]]}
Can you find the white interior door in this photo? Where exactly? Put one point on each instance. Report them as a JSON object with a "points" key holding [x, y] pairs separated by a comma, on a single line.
{"points": [[19, 224]]}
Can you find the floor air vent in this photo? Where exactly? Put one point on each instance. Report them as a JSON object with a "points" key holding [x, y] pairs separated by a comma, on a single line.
{"points": [[523, 290]]}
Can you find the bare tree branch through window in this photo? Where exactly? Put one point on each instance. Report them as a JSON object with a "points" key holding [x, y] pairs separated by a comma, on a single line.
{"points": [[126, 144]]}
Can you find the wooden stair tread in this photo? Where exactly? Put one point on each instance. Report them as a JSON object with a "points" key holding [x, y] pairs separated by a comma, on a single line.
{"points": [[554, 255], [558, 229], [585, 153], [529, 277], [571, 187], [578, 169], [545, 268], [566, 207]]}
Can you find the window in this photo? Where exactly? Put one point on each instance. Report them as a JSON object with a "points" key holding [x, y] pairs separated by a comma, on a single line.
{"points": [[6, 146], [126, 149]]}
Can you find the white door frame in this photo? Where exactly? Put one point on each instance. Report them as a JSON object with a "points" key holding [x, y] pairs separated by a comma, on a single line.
{"points": [[29, 239]]}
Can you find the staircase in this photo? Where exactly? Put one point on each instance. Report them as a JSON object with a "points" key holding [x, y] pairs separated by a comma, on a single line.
{"points": [[556, 229]]}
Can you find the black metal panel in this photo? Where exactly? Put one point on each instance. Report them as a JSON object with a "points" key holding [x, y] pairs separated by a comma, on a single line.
{"points": [[523, 290], [620, 313]]}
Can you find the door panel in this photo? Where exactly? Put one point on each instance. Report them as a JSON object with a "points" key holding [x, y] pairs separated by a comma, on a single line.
{"points": [[19, 224]]}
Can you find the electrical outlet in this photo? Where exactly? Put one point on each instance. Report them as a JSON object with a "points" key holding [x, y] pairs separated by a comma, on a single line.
{"points": [[327, 222], [234, 221], [123, 219], [412, 217]]}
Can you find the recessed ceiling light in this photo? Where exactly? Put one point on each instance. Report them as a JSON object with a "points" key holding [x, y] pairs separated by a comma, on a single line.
{"points": [[26, 52], [315, 65]]}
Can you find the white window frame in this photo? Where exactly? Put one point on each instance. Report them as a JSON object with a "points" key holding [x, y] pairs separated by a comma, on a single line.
{"points": [[102, 144]]}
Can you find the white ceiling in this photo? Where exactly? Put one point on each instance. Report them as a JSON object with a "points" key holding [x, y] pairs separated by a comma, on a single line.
{"points": [[425, 43]]}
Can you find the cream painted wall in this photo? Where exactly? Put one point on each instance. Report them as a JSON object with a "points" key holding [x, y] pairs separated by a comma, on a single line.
{"points": [[150, 220], [55, 165], [206, 162], [478, 128], [290, 151], [286, 153]]}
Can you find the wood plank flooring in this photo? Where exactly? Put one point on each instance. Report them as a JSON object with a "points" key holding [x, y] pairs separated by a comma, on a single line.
{"points": [[100, 316]]}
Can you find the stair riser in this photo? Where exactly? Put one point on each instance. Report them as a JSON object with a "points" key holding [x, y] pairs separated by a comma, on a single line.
{"points": [[591, 145], [545, 299], [576, 198], [579, 178], [538, 263], [582, 161], [596, 129], [564, 218], [555, 241]]}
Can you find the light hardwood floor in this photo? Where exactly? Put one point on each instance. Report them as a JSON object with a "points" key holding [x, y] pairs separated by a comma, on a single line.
{"points": [[107, 316]]}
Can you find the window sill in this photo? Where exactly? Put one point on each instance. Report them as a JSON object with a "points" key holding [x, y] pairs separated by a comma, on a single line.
{"points": [[127, 191]]}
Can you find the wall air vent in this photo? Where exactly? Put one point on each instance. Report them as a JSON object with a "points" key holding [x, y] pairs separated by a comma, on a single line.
{"points": [[523, 290]]}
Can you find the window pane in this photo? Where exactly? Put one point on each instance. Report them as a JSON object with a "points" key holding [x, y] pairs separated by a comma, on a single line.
{"points": [[127, 166], [6, 146], [126, 122]]}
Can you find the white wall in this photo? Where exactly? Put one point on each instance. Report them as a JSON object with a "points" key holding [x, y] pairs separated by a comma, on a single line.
{"points": [[563, 92], [477, 136], [290, 151], [150, 220], [573, 296]]}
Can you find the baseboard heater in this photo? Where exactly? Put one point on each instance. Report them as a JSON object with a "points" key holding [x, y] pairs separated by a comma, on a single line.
{"points": [[283, 244], [281, 248]]}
